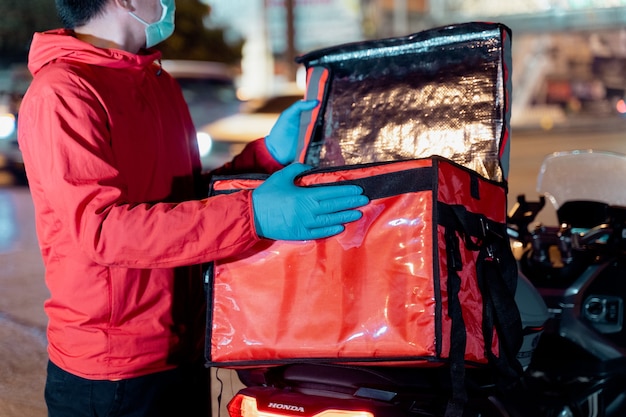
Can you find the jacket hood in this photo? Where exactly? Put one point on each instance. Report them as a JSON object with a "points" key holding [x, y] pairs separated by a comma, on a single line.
{"points": [[62, 45]]}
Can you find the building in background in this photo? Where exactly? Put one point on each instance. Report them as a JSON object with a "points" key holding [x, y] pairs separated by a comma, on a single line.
{"points": [[569, 55]]}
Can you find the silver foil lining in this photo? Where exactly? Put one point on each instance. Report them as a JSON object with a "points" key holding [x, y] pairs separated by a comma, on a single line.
{"points": [[439, 96]]}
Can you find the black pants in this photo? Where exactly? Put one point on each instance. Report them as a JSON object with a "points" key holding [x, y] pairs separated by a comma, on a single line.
{"points": [[178, 392]]}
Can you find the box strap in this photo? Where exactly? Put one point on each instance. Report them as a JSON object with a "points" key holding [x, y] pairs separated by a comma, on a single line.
{"points": [[499, 308], [458, 336], [496, 273]]}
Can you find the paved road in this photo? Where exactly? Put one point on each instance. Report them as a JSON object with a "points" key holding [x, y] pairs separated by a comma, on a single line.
{"points": [[22, 291], [22, 321]]}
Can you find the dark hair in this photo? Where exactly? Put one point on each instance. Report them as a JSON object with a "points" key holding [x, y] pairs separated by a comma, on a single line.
{"points": [[73, 13]]}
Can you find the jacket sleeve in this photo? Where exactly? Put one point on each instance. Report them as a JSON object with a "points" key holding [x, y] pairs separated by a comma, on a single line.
{"points": [[254, 158], [82, 201]]}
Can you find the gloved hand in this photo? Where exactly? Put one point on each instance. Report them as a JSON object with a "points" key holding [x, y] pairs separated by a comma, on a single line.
{"points": [[285, 211], [282, 142]]}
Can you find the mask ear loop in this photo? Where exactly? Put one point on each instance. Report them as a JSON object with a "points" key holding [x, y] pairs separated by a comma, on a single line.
{"points": [[128, 4], [139, 18]]}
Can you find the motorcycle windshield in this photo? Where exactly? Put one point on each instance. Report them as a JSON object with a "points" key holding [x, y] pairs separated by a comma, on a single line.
{"points": [[583, 175]]}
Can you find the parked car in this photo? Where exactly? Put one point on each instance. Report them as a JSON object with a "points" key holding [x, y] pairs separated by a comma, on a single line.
{"points": [[208, 87], [210, 91], [255, 120]]}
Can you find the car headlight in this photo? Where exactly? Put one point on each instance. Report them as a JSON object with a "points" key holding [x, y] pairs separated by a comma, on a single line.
{"points": [[7, 125], [205, 143]]}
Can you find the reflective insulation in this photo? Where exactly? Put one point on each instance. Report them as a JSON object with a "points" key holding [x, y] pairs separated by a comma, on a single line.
{"points": [[439, 92]]}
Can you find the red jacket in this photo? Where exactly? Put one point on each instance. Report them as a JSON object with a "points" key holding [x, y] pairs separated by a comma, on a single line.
{"points": [[113, 166]]}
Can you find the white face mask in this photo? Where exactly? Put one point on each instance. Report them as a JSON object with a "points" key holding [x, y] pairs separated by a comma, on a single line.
{"points": [[163, 28]]}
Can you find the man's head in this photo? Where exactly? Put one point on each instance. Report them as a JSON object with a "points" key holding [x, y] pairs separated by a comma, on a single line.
{"points": [[126, 23]]}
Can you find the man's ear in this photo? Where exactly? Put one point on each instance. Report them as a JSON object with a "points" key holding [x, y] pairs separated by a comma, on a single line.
{"points": [[125, 4]]}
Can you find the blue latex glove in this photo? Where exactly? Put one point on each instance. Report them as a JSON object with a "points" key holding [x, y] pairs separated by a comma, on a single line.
{"points": [[285, 211], [282, 142]]}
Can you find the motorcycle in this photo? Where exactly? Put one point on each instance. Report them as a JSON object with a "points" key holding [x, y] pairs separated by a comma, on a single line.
{"points": [[571, 298], [579, 365]]}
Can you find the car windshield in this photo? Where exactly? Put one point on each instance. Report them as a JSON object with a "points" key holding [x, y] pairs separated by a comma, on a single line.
{"points": [[208, 98]]}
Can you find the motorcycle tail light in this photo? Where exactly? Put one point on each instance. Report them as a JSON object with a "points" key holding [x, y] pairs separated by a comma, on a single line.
{"points": [[246, 406]]}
